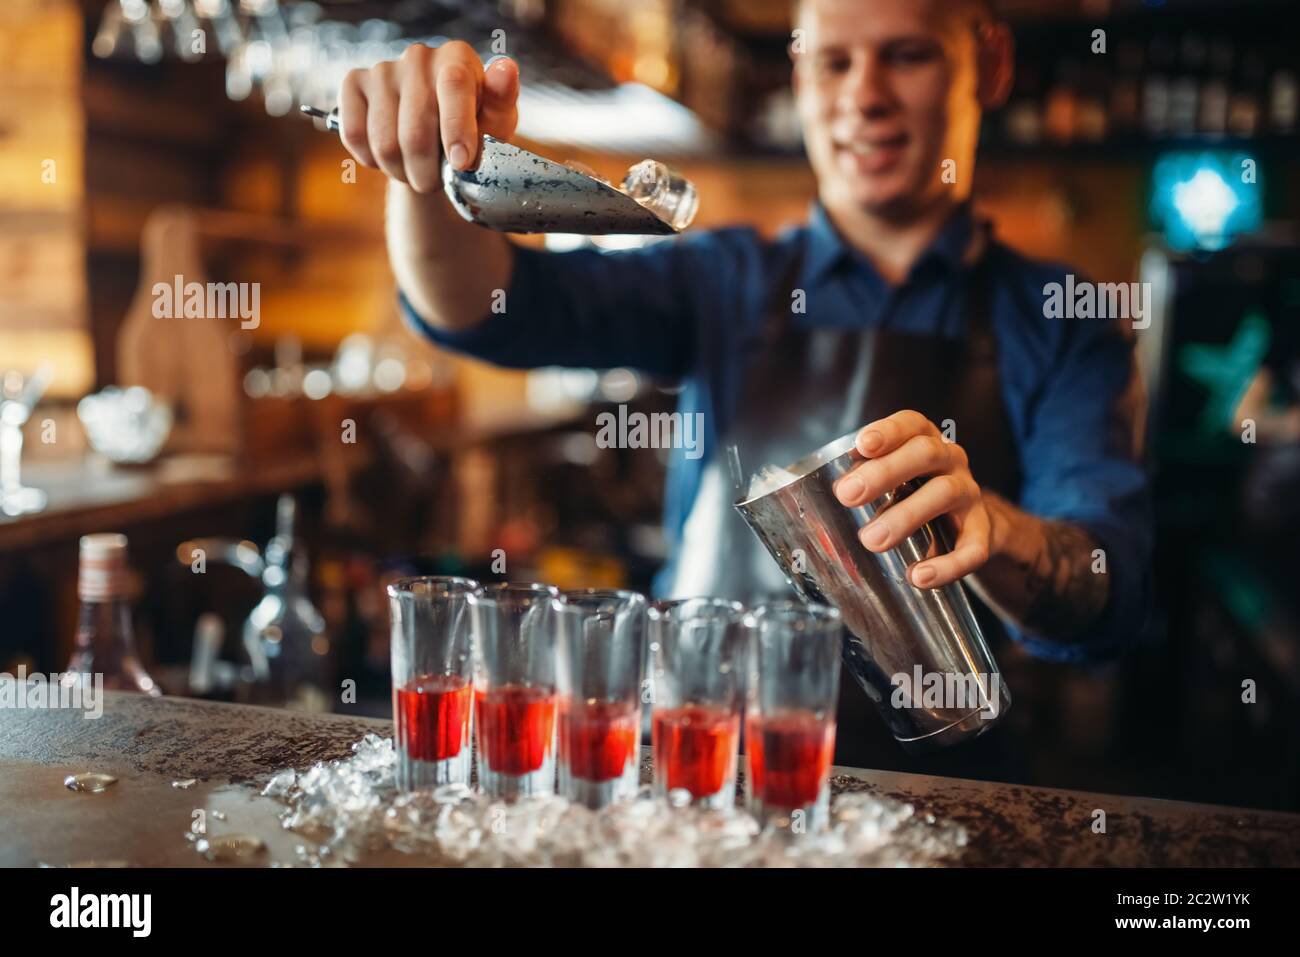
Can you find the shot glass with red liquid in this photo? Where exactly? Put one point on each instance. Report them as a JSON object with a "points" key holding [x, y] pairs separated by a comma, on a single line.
{"points": [[515, 699], [792, 690], [599, 668], [697, 654], [432, 666]]}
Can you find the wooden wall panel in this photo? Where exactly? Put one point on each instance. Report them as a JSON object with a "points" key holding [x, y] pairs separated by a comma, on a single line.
{"points": [[42, 245]]}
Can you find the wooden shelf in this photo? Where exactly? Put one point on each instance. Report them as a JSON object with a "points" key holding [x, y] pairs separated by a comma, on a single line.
{"points": [[115, 223], [85, 499]]}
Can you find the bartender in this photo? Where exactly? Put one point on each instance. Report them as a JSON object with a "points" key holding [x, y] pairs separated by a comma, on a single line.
{"points": [[893, 309]]}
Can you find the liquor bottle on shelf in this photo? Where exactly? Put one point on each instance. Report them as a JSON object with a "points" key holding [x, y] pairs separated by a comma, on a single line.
{"points": [[1093, 123], [1023, 117], [1282, 102], [105, 640], [1062, 117], [1156, 87], [1126, 90], [1217, 89], [1245, 105], [1185, 90]]}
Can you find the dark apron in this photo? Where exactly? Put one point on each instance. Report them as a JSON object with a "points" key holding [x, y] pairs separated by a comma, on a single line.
{"points": [[804, 387]]}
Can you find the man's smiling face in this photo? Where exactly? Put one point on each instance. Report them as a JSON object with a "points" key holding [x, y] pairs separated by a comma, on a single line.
{"points": [[887, 90]]}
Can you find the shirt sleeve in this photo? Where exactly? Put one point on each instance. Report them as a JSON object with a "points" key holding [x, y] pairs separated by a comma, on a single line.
{"points": [[1082, 459], [585, 309]]}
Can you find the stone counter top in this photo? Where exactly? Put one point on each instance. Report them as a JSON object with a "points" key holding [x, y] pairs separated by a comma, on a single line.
{"points": [[230, 749]]}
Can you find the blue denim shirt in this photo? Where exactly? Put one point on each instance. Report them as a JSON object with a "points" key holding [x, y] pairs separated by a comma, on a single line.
{"points": [[681, 309]]}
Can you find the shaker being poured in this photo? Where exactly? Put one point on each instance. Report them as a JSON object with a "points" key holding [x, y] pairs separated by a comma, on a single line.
{"points": [[517, 191]]}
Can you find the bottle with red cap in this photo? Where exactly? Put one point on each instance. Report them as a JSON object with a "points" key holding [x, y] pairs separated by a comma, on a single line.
{"points": [[105, 641]]}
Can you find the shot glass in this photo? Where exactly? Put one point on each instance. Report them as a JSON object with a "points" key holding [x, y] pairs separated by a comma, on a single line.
{"points": [[432, 667], [697, 653], [599, 668], [792, 691], [515, 628]]}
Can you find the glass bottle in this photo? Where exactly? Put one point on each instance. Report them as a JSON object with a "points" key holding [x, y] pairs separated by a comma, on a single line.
{"points": [[1061, 119], [1126, 90], [1284, 94], [1245, 105], [105, 640], [1217, 89]]}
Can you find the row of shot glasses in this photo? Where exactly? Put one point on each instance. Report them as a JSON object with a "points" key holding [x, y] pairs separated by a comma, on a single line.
{"points": [[552, 687]]}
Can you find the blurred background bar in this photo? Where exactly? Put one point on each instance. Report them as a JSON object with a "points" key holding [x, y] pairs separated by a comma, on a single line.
{"points": [[145, 139]]}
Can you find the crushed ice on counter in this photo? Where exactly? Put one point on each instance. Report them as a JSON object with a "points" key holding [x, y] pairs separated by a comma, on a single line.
{"points": [[230, 847], [350, 807], [91, 782]]}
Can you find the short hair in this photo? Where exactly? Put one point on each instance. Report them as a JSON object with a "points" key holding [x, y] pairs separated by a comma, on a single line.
{"points": [[983, 11]]}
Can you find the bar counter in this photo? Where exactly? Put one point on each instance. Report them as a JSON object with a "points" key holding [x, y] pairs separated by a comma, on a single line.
{"points": [[156, 747]]}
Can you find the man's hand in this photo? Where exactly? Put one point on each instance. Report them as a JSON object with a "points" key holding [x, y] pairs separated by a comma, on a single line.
{"points": [[1040, 574], [904, 446], [400, 116]]}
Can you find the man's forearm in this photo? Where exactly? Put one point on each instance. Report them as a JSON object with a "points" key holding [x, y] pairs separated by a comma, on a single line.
{"points": [[447, 268], [1042, 575]]}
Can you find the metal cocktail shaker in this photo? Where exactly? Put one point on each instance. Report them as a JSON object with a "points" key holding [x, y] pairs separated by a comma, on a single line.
{"points": [[918, 653], [514, 190]]}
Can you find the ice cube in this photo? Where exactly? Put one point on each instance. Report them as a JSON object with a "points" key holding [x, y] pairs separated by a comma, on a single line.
{"points": [[352, 806], [665, 193], [768, 479]]}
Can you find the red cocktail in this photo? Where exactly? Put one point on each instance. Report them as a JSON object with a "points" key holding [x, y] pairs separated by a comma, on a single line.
{"points": [[790, 712], [599, 739], [695, 748], [515, 689], [698, 647], [516, 728], [600, 658], [431, 717], [432, 680], [789, 758]]}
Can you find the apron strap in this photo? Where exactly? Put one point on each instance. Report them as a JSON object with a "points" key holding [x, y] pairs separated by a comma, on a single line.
{"points": [[977, 294], [777, 314]]}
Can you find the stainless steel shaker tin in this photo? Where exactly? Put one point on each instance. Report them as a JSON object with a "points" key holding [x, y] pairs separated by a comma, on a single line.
{"points": [[515, 191], [918, 653]]}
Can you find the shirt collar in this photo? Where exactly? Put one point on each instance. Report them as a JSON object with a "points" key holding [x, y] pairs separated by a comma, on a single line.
{"points": [[826, 249]]}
